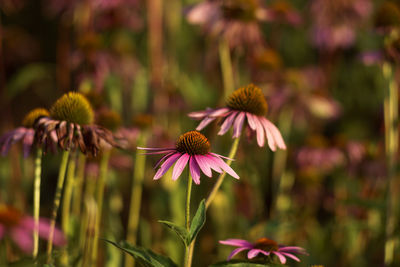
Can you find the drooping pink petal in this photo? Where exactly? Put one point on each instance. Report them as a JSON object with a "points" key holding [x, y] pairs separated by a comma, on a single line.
{"points": [[220, 156], [2, 231], [203, 164], [236, 251], [250, 120], [22, 238], [166, 165], [179, 166], [163, 158], [225, 167], [237, 243], [227, 123], [259, 131], [276, 134], [194, 170], [292, 249], [282, 258], [238, 124], [270, 137], [27, 142], [254, 252], [204, 123], [219, 112], [212, 164], [290, 256], [154, 151]]}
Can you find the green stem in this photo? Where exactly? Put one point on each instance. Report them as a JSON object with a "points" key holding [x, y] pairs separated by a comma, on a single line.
{"points": [[189, 249], [391, 146], [36, 201], [99, 199], [56, 203], [78, 185], [226, 67], [136, 197], [221, 177], [66, 204]]}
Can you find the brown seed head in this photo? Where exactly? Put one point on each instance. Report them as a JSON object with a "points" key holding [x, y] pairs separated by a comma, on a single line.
{"points": [[193, 143]]}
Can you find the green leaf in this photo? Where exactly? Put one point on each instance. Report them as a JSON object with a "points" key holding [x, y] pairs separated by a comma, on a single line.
{"points": [[241, 263], [198, 221], [179, 230], [145, 256]]}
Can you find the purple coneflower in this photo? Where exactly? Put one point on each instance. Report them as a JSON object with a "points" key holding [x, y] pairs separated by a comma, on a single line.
{"points": [[263, 246], [192, 148], [245, 103], [20, 228], [25, 133]]}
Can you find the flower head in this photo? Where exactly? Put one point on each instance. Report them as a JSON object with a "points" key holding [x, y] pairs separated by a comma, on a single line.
{"points": [[70, 126], [20, 227], [246, 102], [263, 246], [192, 148], [25, 133]]}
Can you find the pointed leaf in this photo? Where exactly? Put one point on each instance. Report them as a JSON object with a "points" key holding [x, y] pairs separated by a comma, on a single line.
{"points": [[198, 221], [145, 256], [179, 230]]}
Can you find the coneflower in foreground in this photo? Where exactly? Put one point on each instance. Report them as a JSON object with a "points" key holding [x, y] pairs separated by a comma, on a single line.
{"points": [[245, 103], [263, 247], [192, 148]]}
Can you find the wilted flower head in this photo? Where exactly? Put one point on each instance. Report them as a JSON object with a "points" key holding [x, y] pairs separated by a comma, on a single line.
{"points": [[20, 227], [263, 247], [246, 103], [335, 22], [25, 133], [70, 124], [192, 148]]}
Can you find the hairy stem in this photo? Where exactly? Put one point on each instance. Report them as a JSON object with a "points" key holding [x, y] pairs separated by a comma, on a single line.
{"points": [[36, 200]]}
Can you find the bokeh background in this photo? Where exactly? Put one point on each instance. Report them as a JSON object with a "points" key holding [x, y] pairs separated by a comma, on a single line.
{"points": [[319, 64]]}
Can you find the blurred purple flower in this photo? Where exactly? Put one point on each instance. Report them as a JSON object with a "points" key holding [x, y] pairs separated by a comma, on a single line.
{"points": [[265, 247], [322, 158], [192, 148], [246, 102], [335, 22], [20, 229], [18, 134]]}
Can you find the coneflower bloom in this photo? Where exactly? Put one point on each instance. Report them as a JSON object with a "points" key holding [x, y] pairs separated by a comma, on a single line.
{"points": [[246, 103], [265, 247], [192, 148], [25, 133], [19, 228], [70, 120]]}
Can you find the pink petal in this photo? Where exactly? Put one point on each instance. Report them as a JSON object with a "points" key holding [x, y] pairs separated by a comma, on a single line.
{"points": [[292, 249], [162, 159], [290, 256], [253, 253], [251, 121], [213, 165], [219, 112], [220, 156], [238, 125], [22, 238], [199, 114], [203, 164], [179, 166], [194, 170], [270, 138], [259, 131], [276, 133], [27, 142], [225, 167], [166, 165], [236, 251], [282, 258], [204, 123], [227, 123], [237, 243]]}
